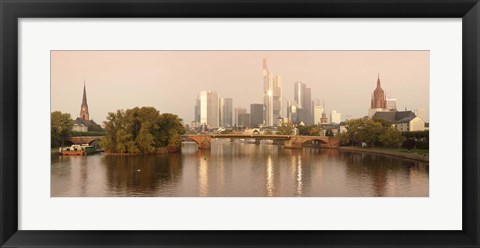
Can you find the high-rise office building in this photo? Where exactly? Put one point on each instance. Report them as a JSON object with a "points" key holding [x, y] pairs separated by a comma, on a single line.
{"points": [[272, 96], [335, 117], [207, 107], [256, 114], [303, 101], [292, 114], [244, 120], [226, 112], [318, 111], [236, 112]]}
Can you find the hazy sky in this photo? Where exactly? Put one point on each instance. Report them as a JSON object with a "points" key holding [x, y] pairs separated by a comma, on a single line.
{"points": [[171, 80]]}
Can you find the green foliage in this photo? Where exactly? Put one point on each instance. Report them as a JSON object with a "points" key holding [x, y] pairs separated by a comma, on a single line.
{"points": [[95, 128], [391, 137], [312, 130], [344, 138], [285, 129], [371, 131], [141, 131], [417, 134], [268, 132], [61, 128]]}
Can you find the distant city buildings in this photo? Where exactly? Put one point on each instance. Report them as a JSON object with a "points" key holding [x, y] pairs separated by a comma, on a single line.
{"points": [[244, 120], [318, 110], [292, 114], [236, 113], [226, 112], [208, 110], [212, 111], [272, 95], [302, 97], [256, 114], [335, 117]]}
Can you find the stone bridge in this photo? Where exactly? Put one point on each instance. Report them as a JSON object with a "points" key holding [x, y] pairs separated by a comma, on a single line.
{"points": [[290, 141], [83, 139]]}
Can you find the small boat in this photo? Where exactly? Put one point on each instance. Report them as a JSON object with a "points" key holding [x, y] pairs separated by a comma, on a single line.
{"points": [[78, 150]]}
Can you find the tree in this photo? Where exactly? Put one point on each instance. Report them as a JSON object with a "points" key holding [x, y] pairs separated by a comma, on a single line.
{"points": [[391, 137], [285, 129], [141, 131], [60, 129]]}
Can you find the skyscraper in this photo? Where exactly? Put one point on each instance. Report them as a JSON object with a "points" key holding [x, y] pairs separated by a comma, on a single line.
{"points": [[256, 114], [335, 117], [303, 101], [272, 95], [236, 113], [207, 104], [84, 107], [318, 111], [226, 113], [244, 120]]}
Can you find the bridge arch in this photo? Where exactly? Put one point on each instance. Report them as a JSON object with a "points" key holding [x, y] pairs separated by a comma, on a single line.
{"points": [[296, 142], [203, 141]]}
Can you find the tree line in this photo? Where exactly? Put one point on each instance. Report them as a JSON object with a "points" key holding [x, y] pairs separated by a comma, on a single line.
{"points": [[142, 131], [133, 131], [373, 132]]}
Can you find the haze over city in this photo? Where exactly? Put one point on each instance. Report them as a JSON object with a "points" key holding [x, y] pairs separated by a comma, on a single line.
{"points": [[171, 80]]}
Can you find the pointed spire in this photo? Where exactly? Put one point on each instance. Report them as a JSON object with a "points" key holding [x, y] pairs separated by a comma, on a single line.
{"points": [[84, 100], [378, 81]]}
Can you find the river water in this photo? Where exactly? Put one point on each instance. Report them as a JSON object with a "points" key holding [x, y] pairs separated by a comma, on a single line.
{"points": [[240, 169]]}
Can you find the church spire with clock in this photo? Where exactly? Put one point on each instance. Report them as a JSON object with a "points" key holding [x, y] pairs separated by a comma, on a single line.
{"points": [[84, 108]]}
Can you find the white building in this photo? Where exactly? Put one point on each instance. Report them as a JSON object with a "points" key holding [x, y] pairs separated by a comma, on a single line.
{"points": [[335, 117], [411, 124], [318, 110], [207, 106]]}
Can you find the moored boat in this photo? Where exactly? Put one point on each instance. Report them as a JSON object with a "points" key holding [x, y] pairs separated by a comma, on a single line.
{"points": [[78, 150]]}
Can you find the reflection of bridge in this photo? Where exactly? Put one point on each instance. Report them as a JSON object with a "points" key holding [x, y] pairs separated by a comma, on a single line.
{"points": [[83, 139], [290, 141]]}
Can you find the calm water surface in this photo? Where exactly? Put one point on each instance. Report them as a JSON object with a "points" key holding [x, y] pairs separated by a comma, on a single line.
{"points": [[239, 169]]}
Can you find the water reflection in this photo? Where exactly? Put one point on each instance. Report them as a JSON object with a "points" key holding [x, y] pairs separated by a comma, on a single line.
{"points": [[239, 169]]}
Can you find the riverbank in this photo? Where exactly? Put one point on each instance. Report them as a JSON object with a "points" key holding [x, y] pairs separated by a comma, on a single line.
{"points": [[414, 154]]}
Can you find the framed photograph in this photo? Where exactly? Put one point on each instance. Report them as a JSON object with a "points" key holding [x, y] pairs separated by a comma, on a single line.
{"points": [[232, 123]]}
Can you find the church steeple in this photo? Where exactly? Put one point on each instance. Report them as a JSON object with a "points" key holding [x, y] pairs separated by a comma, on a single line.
{"points": [[84, 108], [378, 97]]}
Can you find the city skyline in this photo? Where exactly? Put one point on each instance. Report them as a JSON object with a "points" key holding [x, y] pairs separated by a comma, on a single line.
{"points": [[170, 81]]}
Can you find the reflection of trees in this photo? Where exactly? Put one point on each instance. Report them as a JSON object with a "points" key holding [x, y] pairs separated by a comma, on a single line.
{"points": [[141, 175], [379, 170]]}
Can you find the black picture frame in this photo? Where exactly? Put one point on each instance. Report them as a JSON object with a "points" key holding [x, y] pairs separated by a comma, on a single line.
{"points": [[12, 10]]}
